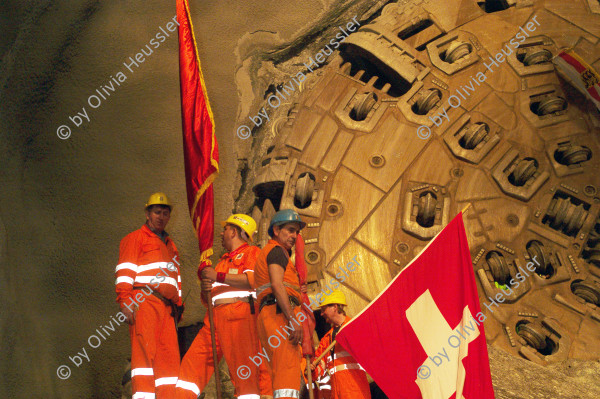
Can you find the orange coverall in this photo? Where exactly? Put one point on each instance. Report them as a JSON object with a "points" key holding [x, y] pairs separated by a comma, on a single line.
{"points": [[283, 357], [146, 263], [348, 378], [235, 335]]}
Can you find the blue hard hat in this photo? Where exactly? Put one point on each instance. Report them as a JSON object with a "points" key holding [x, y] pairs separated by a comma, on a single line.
{"points": [[285, 216]]}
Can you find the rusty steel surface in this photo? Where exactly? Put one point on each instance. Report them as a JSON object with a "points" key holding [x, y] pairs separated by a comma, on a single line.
{"points": [[522, 148]]}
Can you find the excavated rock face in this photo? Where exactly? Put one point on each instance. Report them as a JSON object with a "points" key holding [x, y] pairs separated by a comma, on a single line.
{"points": [[414, 117], [517, 378]]}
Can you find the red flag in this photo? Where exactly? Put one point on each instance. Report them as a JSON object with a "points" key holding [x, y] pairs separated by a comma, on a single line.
{"points": [[308, 325], [423, 336], [200, 148], [581, 75]]}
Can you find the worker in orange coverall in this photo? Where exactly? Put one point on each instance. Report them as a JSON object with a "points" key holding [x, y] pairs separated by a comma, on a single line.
{"points": [[148, 286], [348, 378], [278, 291], [234, 317]]}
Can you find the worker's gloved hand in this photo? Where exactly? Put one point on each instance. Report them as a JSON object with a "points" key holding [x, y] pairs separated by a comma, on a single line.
{"points": [[206, 285], [202, 266], [209, 273], [319, 367]]}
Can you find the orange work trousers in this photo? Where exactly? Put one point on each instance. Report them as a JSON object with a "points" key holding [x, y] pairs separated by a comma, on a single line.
{"points": [[350, 384], [284, 358], [154, 351], [236, 339]]}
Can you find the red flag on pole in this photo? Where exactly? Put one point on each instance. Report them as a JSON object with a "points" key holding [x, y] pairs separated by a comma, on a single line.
{"points": [[308, 325], [200, 148], [580, 74], [423, 336]]}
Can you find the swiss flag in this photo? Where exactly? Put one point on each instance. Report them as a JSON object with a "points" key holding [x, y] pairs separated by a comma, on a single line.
{"points": [[423, 336]]}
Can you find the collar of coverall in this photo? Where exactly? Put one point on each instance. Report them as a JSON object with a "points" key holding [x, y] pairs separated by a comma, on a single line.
{"points": [[346, 320], [164, 237], [235, 251]]}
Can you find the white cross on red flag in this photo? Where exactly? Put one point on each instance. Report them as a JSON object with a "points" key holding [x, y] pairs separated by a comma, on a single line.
{"points": [[423, 336]]}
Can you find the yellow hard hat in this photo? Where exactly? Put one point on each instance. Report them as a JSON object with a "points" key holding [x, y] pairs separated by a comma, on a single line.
{"points": [[336, 297], [158, 199], [244, 222]]}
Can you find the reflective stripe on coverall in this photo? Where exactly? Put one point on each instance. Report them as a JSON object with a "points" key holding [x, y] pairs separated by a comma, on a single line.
{"points": [[235, 335], [284, 358]]}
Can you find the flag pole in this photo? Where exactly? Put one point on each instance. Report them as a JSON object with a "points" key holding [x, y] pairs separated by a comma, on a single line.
{"points": [[200, 152], [311, 395], [309, 323], [213, 342], [466, 208], [322, 355]]}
